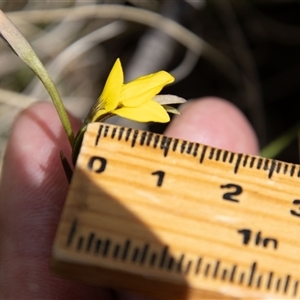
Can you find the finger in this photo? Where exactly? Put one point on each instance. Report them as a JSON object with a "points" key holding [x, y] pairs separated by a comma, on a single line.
{"points": [[32, 191], [214, 122]]}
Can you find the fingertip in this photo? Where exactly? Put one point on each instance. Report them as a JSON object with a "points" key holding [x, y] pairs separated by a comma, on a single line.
{"points": [[36, 134], [214, 122]]}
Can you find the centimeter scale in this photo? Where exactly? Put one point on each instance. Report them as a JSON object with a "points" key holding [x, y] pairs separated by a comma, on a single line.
{"points": [[179, 220]]}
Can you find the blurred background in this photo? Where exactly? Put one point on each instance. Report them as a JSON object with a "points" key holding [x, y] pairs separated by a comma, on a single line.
{"points": [[244, 51]]}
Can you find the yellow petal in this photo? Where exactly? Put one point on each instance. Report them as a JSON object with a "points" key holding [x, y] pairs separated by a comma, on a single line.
{"points": [[150, 111], [144, 88], [110, 97]]}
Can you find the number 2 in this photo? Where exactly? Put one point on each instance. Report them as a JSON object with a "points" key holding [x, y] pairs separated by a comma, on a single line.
{"points": [[236, 190]]}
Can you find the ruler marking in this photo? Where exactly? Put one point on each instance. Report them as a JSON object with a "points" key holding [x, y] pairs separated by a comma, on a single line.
{"points": [[156, 141], [97, 246], [252, 161], [128, 133], [218, 154], [189, 148], [72, 232], [165, 144], [144, 253], [170, 264], [215, 273], [106, 130], [202, 156], [143, 138], [296, 288], [242, 277], [266, 164], [126, 249], [114, 131], [175, 144], [134, 138], [278, 167], [272, 168], [292, 170], [286, 285], [278, 284], [232, 275], [225, 155], [285, 169], [167, 262], [135, 254], [259, 163], [270, 280], [206, 270], [106, 247], [246, 157], [164, 254], [198, 265], [224, 273], [90, 241], [98, 135], [121, 131], [195, 152], [237, 163], [298, 173], [188, 267], [252, 271], [231, 157], [211, 154], [180, 262], [116, 251], [80, 243], [183, 145], [153, 259], [258, 283], [149, 138]]}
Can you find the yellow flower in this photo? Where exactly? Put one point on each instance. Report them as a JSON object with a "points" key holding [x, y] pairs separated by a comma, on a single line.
{"points": [[136, 100], [133, 100]]}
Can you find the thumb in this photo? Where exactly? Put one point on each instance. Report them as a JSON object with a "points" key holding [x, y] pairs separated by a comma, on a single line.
{"points": [[32, 191]]}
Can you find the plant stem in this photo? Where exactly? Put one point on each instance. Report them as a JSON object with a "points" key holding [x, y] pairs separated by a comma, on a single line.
{"points": [[21, 47]]}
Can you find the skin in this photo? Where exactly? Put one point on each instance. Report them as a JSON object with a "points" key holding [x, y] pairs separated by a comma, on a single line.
{"points": [[33, 188]]}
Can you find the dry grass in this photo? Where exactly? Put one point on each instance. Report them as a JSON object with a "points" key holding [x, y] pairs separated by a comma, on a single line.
{"points": [[78, 41]]}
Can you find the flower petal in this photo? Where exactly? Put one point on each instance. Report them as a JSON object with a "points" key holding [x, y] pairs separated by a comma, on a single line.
{"points": [[150, 111], [110, 97], [144, 88], [168, 99]]}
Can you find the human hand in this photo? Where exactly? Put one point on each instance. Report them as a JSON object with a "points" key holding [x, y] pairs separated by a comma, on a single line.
{"points": [[33, 188]]}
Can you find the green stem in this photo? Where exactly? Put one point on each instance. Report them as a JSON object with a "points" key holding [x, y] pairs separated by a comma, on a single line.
{"points": [[35, 64], [21, 47], [276, 146]]}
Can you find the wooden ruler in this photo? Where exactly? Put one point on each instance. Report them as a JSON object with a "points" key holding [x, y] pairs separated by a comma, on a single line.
{"points": [[179, 220]]}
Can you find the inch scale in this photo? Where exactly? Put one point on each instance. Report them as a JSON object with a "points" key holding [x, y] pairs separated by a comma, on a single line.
{"points": [[179, 220]]}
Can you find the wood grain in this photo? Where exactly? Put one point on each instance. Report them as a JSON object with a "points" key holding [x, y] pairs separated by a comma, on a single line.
{"points": [[178, 220]]}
